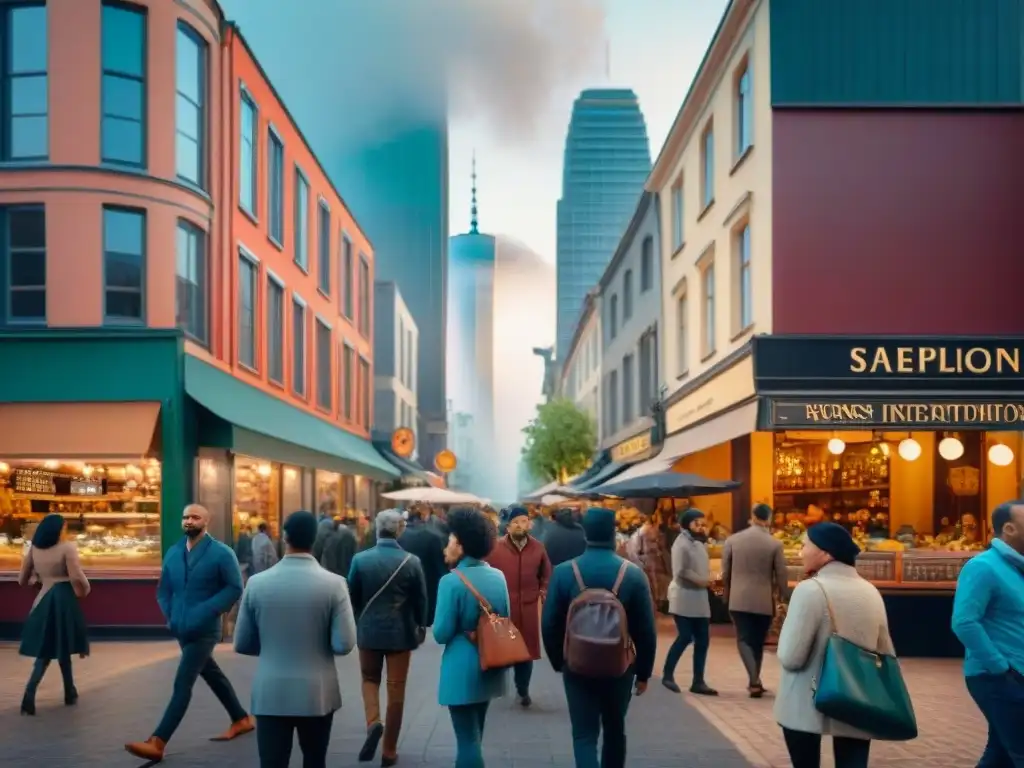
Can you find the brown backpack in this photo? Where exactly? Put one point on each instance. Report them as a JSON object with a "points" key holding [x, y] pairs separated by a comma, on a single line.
{"points": [[597, 641]]}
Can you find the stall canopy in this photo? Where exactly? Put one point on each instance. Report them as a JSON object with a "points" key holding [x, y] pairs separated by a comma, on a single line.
{"points": [[410, 468], [261, 425], [78, 430], [609, 471], [433, 496]]}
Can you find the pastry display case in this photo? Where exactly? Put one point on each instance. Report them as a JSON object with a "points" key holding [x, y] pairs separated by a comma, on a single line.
{"points": [[910, 569]]}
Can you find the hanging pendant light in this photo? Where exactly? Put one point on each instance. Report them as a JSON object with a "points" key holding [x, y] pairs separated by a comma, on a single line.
{"points": [[909, 449], [836, 446], [950, 448], [1000, 455]]}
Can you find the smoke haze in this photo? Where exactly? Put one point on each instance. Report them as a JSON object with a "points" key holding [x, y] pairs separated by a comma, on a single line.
{"points": [[375, 62]]}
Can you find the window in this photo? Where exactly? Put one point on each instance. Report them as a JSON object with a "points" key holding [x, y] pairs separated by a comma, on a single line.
{"points": [[613, 317], [123, 122], [410, 356], [364, 297], [347, 372], [25, 84], [364, 392], [324, 346], [648, 371], [677, 216], [124, 260], [744, 112], [275, 331], [301, 220], [707, 161], [248, 274], [248, 156], [345, 277], [746, 298], [324, 248], [628, 400], [190, 291], [191, 105], [401, 351], [26, 263], [709, 309], [682, 329], [275, 187], [612, 404], [647, 264], [298, 346], [627, 296]]}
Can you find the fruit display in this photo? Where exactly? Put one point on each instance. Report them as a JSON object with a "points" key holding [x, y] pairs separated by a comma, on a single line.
{"points": [[628, 519]]}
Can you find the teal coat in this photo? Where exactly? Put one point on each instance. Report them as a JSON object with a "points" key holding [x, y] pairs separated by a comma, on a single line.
{"points": [[457, 613], [197, 587]]}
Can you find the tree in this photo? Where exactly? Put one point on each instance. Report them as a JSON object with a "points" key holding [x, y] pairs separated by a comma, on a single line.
{"points": [[560, 441]]}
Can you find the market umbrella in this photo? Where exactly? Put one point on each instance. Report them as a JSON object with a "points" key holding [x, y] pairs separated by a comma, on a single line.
{"points": [[433, 495], [665, 485]]}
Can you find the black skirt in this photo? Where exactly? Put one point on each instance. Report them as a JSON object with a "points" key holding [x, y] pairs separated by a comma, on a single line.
{"points": [[55, 629]]}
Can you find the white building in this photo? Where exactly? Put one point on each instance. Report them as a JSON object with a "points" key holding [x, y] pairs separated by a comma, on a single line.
{"points": [[395, 350], [581, 368]]}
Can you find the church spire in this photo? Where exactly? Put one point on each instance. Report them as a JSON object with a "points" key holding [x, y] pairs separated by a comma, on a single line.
{"points": [[474, 229]]}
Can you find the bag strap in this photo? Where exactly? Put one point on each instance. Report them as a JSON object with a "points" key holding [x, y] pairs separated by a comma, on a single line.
{"points": [[484, 605], [620, 577], [828, 606], [578, 575], [387, 583]]}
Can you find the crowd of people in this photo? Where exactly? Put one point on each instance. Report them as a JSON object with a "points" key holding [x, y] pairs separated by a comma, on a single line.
{"points": [[568, 591]]}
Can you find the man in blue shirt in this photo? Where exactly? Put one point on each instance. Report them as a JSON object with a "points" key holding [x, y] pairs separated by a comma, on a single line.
{"points": [[988, 617]]}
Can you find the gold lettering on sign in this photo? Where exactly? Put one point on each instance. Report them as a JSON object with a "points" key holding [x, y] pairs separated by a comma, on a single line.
{"points": [[979, 361], [845, 412], [632, 447]]}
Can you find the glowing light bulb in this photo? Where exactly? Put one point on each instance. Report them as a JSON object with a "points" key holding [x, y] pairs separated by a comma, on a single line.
{"points": [[1000, 455], [951, 449], [909, 449], [836, 446]]}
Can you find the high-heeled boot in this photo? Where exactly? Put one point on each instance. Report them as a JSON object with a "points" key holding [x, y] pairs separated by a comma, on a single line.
{"points": [[28, 701], [70, 692]]}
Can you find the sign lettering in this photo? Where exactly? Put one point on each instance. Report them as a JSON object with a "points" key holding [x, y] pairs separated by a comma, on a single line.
{"points": [[33, 481], [932, 360], [631, 448], [896, 414]]}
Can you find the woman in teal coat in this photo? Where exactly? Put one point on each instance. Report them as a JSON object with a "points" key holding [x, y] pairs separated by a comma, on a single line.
{"points": [[464, 688]]}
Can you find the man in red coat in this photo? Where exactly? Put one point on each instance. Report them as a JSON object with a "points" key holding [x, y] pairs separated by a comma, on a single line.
{"points": [[525, 564]]}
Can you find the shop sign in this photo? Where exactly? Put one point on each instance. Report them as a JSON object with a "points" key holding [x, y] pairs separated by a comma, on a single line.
{"points": [[734, 385], [32, 481], [403, 442], [634, 448], [900, 414], [831, 362], [445, 461]]}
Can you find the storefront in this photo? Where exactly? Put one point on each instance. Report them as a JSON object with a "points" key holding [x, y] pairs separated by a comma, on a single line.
{"points": [[908, 442], [118, 429]]}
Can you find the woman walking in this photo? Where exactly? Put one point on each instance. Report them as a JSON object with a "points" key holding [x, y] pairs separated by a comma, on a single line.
{"points": [[55, 628], [835, 592], [464, 688]]}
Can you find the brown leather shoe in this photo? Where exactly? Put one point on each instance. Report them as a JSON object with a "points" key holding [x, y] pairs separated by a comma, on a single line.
{"points": [[238, 728], [151, 749]]}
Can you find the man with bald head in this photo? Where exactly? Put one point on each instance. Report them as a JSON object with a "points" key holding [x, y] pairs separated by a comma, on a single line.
{"points": [[200, 581]]}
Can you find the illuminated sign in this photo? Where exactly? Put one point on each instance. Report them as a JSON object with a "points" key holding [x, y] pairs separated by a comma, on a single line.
{"points": [[902, 414], [633, 448]]}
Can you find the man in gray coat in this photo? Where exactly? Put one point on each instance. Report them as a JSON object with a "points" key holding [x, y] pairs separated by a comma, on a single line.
{"points": [[753, 570], [296, 617], [689, 603]]}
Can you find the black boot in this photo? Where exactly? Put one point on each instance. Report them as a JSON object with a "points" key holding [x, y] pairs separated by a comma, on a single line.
{"points": [[70, 692], [28, 703], [701, 688]]}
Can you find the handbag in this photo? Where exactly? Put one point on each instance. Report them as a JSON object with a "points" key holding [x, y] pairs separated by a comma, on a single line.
{"points": [[421, 632], [498, 643], [863, 688]]}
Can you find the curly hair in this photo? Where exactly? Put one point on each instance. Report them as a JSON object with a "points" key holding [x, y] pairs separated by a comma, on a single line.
{"points": [[473, 531]]}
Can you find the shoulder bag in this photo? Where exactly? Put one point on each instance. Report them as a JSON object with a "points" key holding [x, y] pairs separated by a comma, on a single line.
{"points": [[498, 643], [863, 688]]}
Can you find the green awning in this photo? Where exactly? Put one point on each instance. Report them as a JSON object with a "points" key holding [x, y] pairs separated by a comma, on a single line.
{"points": [[250, 413]]}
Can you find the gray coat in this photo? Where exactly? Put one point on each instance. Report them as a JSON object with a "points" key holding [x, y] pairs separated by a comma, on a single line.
{"points": [[753, 565], [691, 572], [296, 617]]}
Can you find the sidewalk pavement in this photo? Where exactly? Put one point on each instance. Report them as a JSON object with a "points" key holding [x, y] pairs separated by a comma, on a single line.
{"points": [[124, 688], [952, 730]]}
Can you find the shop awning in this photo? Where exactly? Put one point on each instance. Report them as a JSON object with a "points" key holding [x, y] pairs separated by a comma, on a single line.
{"points": [[77, 430], [649, 467], [410, 468], [718, 429], [610, 470], [253, 414], [541, 492]]}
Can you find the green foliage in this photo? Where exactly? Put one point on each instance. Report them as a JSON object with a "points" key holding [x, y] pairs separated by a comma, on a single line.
{"points": [[560, 441]]}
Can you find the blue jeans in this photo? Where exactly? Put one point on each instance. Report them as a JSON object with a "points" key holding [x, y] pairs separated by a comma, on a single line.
{"points": [[689, 630], [468, 723], [598, 707], [521, 674], [1001, 700]]}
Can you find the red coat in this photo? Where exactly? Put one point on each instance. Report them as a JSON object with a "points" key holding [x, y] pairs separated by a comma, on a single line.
{"points": [[526, 573]]}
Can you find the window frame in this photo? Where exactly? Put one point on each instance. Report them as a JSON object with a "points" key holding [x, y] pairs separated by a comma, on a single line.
{"points": [[203, 271], [8, 76], [613, 317], [365, 387], [142, 213], [682, 334], [300, 239], [300, 363], [364, 299], [744, 277], [324, 224], [275, 213], [627, 296], [347, 384], [203, 67], [709, 298], [628, 394], [143, 80], [707, 166], [346, 298], [743, 96], [5, 222], [276, 287], [320, 324], [252, 262], [678, 211], [646, 264], [246, 99]]}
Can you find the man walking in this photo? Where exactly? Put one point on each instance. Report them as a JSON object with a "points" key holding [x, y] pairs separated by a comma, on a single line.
{"points": [[389, 595], [527, 569], [599, 704], [296, 617], [753, 569], [689, 603], [564, 538], [339, 549], [425, 541], [264, 552], [200, 581], [988, 617]]}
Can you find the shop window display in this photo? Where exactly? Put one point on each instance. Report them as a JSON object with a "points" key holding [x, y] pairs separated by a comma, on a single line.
{"points": [[257, 497], [328, 494], [112, 511]]}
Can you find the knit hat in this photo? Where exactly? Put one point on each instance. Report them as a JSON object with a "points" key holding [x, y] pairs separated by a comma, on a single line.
{"points": [[688, 517], [599, 526], [516, 510], [300, 530], [834, 540]]}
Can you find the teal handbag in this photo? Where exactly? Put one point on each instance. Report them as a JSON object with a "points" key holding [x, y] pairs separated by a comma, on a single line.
{"points": [[863, 688]]}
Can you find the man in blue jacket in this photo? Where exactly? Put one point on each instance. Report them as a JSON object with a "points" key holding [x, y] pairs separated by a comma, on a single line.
{"points": [[988, 617], [594, 702], [200, 582]]}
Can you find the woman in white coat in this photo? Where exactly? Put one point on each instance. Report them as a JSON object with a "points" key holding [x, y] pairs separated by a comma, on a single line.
{"points": [[828, 554]]}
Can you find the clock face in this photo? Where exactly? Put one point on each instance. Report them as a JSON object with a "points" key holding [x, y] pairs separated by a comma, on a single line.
{"points": [[403, 441]]}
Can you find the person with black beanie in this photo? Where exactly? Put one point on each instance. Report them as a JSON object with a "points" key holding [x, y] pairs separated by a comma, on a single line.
{"points": [[564, 538]]}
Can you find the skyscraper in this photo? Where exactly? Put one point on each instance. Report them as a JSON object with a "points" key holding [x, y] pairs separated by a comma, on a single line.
{"points": [[607, 159]]}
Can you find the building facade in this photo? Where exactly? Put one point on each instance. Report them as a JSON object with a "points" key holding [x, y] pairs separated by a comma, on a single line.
{"points": [[607, 157], [186, 313], [581, 379], [630, 291], [395, 355]]}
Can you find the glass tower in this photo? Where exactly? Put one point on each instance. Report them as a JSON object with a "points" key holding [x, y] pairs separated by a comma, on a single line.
{"points": [[607, 160]]}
